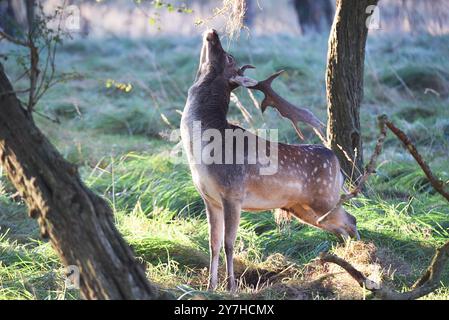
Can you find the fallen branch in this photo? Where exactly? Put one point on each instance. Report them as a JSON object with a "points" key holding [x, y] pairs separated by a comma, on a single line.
{"points": [[430, 280]]}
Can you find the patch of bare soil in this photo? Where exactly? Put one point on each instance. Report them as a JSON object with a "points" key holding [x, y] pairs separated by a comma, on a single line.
{"points": [[279, 277]]}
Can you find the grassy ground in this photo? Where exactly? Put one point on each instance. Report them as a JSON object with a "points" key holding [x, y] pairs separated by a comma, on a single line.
{"points": [[120, 138]]}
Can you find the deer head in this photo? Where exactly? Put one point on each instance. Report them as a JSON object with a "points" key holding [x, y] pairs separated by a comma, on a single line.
{"points": [[216, 62]]}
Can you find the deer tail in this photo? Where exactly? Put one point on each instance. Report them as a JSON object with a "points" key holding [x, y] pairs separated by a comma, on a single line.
{"points": [[282, 216]]}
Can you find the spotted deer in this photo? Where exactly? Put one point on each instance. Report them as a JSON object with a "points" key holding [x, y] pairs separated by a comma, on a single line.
{"points": [[306, 184]]}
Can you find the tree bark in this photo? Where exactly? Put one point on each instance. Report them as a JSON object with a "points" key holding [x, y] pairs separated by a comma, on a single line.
{"points": [[78, 223], [344, 83]]}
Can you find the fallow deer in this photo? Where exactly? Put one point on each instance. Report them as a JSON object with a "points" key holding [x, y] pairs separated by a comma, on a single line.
{"points": [[308, 180]]}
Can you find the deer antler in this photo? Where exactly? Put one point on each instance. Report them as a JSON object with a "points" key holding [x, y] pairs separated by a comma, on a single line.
{"points": [[243, 68], [285, 108]]}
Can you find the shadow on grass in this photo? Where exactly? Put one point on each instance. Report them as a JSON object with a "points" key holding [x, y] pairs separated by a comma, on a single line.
{"points": [[398, 262]]}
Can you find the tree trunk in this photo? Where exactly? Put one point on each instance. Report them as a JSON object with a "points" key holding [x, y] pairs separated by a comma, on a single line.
{"points": [[29, 5], [250, 13], [303, 11], [313, 15], [7, 18], [344, 83], [78, 223]]}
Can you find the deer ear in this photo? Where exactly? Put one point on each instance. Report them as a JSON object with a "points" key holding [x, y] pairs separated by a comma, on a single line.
{"points": [[244, 81]]}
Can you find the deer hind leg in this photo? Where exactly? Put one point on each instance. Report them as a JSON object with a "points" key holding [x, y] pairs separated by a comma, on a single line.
{"points": [[231, 211], [340, 223], [216, 229], [305, 214]]}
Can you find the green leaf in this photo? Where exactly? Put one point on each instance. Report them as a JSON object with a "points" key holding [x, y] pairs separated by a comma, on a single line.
{"points": [[152, 21]]}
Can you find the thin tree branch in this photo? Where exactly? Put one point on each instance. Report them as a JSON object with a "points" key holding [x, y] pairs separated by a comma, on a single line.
{"points": [[47, 117], [436, 183], [4, 35], [14, 92], [34, 73]]}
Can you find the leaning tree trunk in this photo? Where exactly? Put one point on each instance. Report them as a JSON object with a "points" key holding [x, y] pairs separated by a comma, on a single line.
{"points": [[78, 223], [344, 83]]}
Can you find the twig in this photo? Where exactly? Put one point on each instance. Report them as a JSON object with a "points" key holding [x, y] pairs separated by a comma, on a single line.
{"points": [[47, 117], [14, 92], [4, 35], [354, 166], [242, 109], [436, 183], [370, 168]]}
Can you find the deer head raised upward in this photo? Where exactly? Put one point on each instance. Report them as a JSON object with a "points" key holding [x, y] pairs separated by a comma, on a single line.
{"points": [[306, 182]]}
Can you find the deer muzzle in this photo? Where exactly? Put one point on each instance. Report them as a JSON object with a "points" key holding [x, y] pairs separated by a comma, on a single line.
{"points": [[211, 36]]}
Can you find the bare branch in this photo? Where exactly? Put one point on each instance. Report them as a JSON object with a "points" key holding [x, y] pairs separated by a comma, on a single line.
{"points": [[47, 117], [4, 35], [34, 73], [436, 183], [14, 92]]}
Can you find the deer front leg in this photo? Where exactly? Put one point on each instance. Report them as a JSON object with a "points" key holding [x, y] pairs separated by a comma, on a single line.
{"points": [[231, 210], [216, 228]]}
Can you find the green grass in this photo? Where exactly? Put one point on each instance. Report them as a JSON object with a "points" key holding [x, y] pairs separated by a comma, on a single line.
{"points": [[121, 142]]}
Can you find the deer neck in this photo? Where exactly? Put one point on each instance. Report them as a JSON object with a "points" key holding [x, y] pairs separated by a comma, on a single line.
{"points": [[208, 102]]}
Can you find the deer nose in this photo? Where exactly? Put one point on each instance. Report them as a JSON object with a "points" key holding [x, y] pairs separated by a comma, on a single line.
{"points": [[354, 233], [347, 233], [211, 35]]}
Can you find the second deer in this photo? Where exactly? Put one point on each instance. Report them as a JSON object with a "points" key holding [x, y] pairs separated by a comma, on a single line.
{"points": [[306, 184]]}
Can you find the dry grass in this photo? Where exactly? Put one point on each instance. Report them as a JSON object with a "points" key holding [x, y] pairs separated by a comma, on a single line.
{"points": [[231, 15], [235, 11], [378, 263]]}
